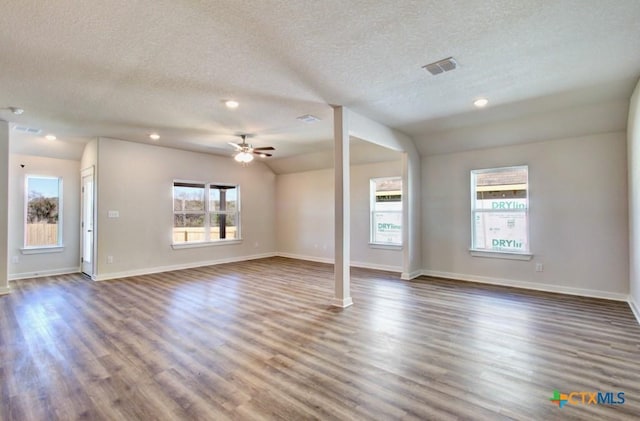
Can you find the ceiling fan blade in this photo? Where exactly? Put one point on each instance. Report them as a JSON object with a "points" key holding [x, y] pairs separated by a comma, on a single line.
{"points": [[235, 145], [265, 148], [262, 154]]}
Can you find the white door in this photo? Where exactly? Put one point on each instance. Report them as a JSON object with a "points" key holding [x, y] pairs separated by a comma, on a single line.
{"points": [[87, 221]]}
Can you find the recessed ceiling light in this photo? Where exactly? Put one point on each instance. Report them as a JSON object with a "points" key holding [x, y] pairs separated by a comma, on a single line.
{"points": [[16, 110], [154, 136], [50, 137], [481, 102], [231, 104]]}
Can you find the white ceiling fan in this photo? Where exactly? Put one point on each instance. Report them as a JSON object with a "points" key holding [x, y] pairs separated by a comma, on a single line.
{"points": [[245, 151]]}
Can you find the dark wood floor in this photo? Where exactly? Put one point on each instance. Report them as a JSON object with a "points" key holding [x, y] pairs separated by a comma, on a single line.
{"points": [[258, 340]]}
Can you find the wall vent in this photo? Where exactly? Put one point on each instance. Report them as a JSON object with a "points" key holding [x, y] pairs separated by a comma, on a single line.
{"points": [[28, 130], [441, 66]]}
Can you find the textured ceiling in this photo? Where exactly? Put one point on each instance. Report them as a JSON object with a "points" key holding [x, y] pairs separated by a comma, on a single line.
{"points": [[124, 69]]}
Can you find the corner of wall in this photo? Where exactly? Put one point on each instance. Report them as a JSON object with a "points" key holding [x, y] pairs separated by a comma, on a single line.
{"points": [[635, 308], [4, 206], [633, 157]]}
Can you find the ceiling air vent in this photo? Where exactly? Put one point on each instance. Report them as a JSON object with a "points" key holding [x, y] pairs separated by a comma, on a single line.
{"points": [[28, 130], [441, 66], [308, 118]]}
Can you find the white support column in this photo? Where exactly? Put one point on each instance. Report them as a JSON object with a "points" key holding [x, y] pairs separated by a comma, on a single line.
{"points": [[342, 210], [4, 206]]}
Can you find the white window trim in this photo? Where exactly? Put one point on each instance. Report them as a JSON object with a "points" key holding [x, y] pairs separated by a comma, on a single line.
{"points": [[42, 248], [493, 253], [372, 193], [384, 246], [207, 215]]}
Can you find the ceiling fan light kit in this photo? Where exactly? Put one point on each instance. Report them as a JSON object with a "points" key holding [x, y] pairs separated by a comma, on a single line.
{"points": [[232, 104], [243, 157], [245, 151]]}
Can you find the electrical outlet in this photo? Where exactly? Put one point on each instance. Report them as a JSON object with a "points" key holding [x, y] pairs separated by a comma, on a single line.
{"points": [[15, 259], [539, 267], [109, 259]]}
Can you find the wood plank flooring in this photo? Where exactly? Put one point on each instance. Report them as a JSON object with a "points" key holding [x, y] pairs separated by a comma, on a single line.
{"points": [[258, 340]]}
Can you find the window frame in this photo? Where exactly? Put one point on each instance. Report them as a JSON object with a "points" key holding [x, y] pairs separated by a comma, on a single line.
{"points": [[496, 252], [235, 213], [207, 213], [43, 248], [372, 210]]}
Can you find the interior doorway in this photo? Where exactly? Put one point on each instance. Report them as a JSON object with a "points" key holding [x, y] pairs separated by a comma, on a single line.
{"points": [[87, 221]]}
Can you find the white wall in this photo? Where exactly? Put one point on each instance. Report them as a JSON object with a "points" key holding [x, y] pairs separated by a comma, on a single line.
{"points": [[137, 179], [31, 265], [89, 155], [4, 204], [372, 131], [304, 216], [633, 153], [578, 216]]}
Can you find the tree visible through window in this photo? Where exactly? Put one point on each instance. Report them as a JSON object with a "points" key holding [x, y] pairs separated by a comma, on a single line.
{"points": [[205, 212], [500, 210], [188, 212], [43, 212], [386, 211]]}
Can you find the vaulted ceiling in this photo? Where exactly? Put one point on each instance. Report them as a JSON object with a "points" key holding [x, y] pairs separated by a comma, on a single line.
{"points": [[125, 69]]}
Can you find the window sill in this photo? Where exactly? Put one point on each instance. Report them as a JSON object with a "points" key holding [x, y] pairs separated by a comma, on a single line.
{"points": [[501, 255], [181, 246], [385, 246], [42, 250]]}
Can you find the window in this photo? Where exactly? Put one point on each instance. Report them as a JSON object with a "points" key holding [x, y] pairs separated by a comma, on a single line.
{"points": [[386, 211], [223, 215], [500, 210], [205, 212], [43, 211]]}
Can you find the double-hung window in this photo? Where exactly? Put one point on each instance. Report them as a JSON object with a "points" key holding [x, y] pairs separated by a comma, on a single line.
{"points": [[43, 212], [386, 211], [500, 210], [205, 212]]}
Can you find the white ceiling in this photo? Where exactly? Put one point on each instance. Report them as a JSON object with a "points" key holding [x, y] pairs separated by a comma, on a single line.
{"points": [[124, 69]]}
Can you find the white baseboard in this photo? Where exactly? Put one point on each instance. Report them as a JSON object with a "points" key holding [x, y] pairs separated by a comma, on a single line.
{"points": [[303, 257], [41, 273], [529, 285], [407, 276], [158, 269], [635, 308], [342, 302], [364, 265], [5, 290], [386, 268]]}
